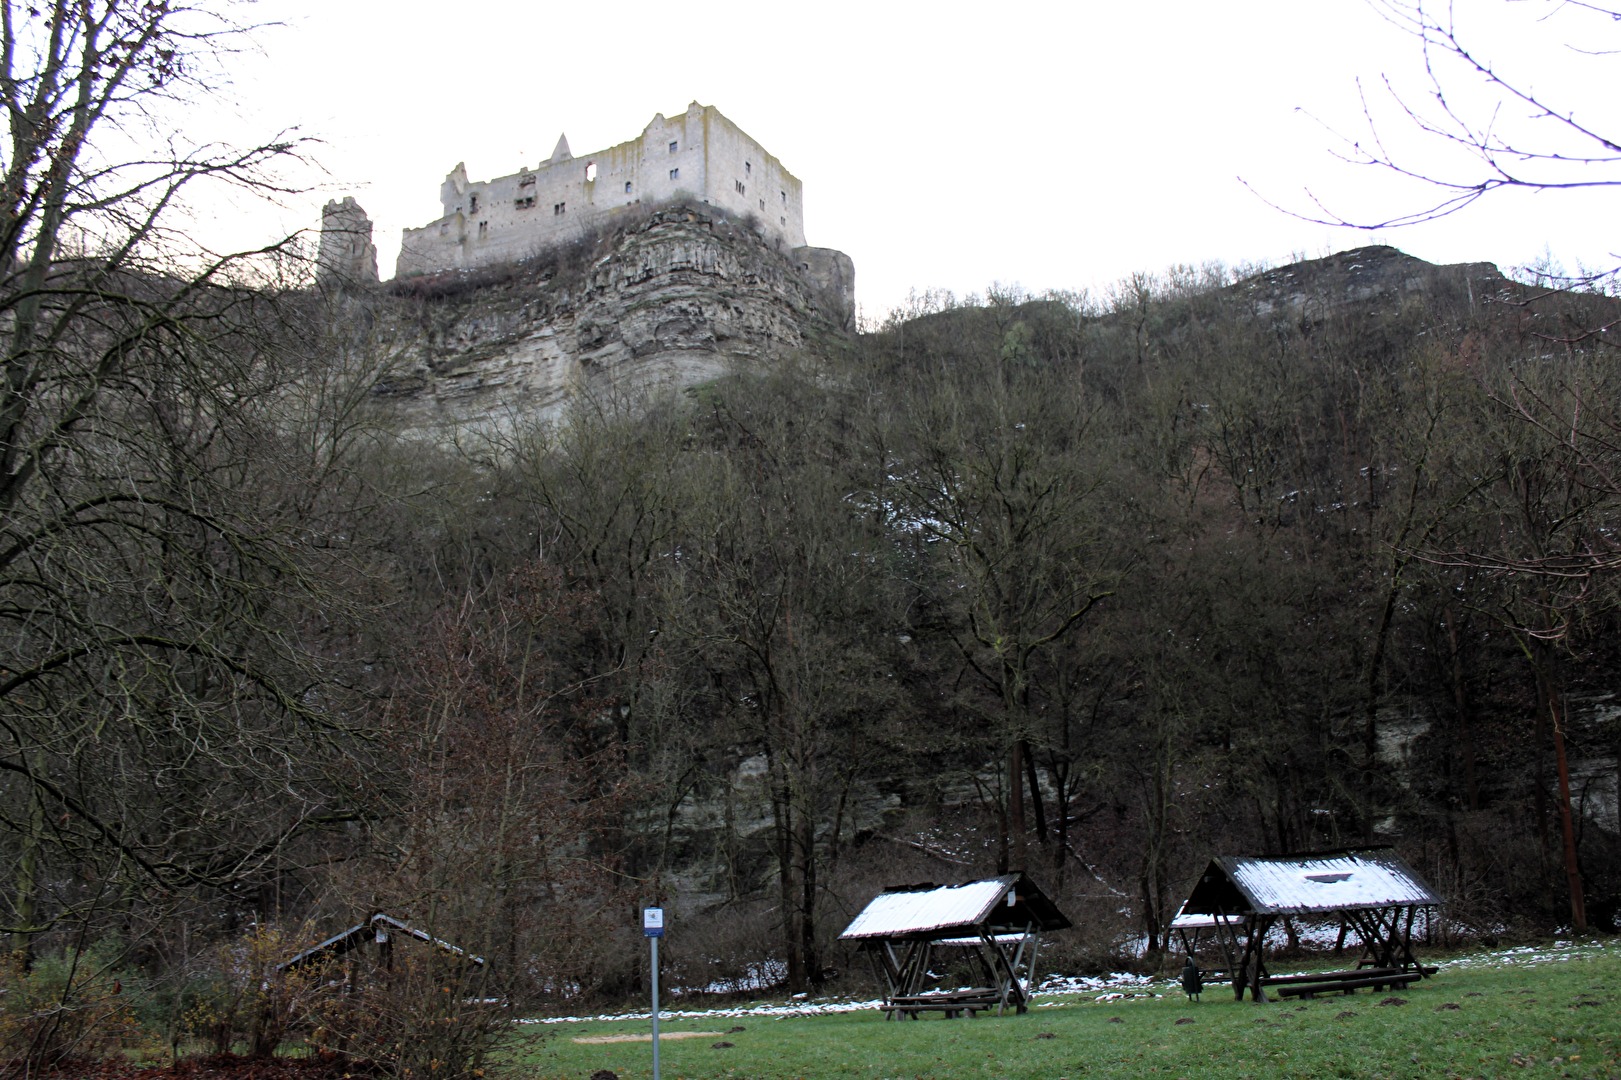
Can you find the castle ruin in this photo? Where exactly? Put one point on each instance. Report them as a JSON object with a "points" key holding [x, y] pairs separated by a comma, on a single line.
{"points": [[699, 156], [347, 255]]}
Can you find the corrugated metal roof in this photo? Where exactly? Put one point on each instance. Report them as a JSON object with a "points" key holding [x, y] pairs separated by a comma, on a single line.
{"points": [[1288, 885], [933, 911], [970, 942], [899, 912]]}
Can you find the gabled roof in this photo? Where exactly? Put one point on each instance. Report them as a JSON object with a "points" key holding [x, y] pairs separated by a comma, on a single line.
{"points": [[1302, 884], [934, 912], [358, 934]]}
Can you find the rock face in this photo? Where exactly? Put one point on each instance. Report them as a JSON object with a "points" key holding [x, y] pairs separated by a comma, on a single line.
{"points": [[674, 299], [1312, 288], [833, 273]]}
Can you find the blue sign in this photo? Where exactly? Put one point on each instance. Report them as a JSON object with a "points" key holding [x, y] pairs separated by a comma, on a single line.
{"points": [[653, 922]]}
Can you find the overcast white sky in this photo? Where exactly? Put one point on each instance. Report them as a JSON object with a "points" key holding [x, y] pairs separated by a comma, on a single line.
{"points": [[941, 144]]}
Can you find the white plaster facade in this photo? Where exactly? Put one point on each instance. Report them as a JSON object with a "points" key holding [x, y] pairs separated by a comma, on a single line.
{"points": [[698, 155]]}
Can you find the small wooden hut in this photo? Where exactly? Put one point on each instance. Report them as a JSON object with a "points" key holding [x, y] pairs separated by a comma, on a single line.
{"points": [[378, 930], [1369, 890], [994, 920]]}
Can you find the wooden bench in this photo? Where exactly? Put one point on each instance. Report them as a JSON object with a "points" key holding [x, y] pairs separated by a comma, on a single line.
{"points": [[1339, 982], [952, 1003]]}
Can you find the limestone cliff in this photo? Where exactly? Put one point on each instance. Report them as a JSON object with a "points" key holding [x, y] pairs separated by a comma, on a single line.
{"points": [[1312, 288], [674, 298]]}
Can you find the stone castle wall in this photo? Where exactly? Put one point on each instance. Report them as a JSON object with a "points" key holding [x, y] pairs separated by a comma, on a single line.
{"points": [[698, 156]]}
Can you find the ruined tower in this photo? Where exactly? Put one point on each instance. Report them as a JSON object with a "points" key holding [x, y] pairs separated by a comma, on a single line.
{"points": [[347, 256]]}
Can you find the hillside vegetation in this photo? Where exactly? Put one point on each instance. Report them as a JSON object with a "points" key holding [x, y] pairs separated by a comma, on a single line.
{"points": [[1311, 558]]}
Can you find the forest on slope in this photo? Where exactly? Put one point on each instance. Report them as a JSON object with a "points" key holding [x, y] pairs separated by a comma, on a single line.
{"points": [[1093, 591], [1219, 563]]}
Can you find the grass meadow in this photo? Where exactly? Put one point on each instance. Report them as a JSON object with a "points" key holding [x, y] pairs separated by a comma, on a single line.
{"points": [[1522, 1013]]}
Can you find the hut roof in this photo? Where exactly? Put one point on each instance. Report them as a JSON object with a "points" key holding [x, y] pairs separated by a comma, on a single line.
{"points": [[1303, 884], [358, 934], [1010, 903]]}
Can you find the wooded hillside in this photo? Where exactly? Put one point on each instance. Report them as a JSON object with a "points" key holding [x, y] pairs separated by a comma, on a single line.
{"points": [[1319, 557]]}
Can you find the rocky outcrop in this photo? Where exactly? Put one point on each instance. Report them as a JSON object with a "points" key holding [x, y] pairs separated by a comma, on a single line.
{"points": [[1359, 276], [676, 298]]}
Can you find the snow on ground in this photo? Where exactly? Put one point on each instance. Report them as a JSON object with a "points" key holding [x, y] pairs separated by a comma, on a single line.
{"points": [[1057, 990], [1530, 955], [1103, 987]]}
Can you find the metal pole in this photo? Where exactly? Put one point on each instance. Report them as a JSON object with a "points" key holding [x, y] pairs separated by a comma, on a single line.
{"points": [[654, 942]]}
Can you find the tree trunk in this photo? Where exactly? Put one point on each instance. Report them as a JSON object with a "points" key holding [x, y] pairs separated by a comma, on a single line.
{"points": [[1567, 825], [1036, 804], [1015, 777], [1460, 699], [27, 881], [807, 907]]}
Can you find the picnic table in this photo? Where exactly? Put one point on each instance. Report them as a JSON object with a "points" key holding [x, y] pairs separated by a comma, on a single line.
{"points": [[953, 1003]]}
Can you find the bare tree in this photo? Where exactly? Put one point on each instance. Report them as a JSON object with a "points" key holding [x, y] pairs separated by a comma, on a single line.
{"points": [[161, 727], [1513, 136]]}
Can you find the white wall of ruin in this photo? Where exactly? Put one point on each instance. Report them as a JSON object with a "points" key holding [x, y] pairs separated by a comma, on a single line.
{"points": [[698, 155]]}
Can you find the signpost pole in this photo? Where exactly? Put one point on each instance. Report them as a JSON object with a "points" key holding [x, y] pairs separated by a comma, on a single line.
{"points": [[653, 927], [654, 942]]}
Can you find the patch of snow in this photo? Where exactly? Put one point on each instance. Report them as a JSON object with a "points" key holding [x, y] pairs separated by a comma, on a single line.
{"points": [[1118, 986]]}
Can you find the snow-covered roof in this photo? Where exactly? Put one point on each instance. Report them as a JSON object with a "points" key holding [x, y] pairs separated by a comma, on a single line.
{"points": [[1007, 903], [970, 942], [1300, 884]]}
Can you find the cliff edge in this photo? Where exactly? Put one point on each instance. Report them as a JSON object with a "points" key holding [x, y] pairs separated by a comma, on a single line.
{"points": [[674, 298]]}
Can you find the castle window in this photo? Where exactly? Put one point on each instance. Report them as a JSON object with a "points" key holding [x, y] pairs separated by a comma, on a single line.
{"points": [[748, 169], [741, 190], [784, 198], [762, 204], [483, 228], [627, 187], [524, 202], [675, 174], [673, 147], [472, 204], [557, 208], [591, 173]]}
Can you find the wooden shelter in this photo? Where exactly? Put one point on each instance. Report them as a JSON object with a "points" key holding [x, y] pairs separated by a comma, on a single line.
{"points": [[1370, 890], [994, 920], [379, 930]]}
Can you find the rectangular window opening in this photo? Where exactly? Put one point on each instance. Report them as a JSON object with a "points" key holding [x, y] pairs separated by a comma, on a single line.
{"points": [[472, 204], [784, 195], [591, 172], [557, 208], [627, 187], [675, 174], [483, 228], [748, 169], [524, 202], [673, 147], [741, 190]]}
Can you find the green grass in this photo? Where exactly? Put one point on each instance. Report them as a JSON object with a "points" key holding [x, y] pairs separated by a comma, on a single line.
{"points": [[1477, 1018]]}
